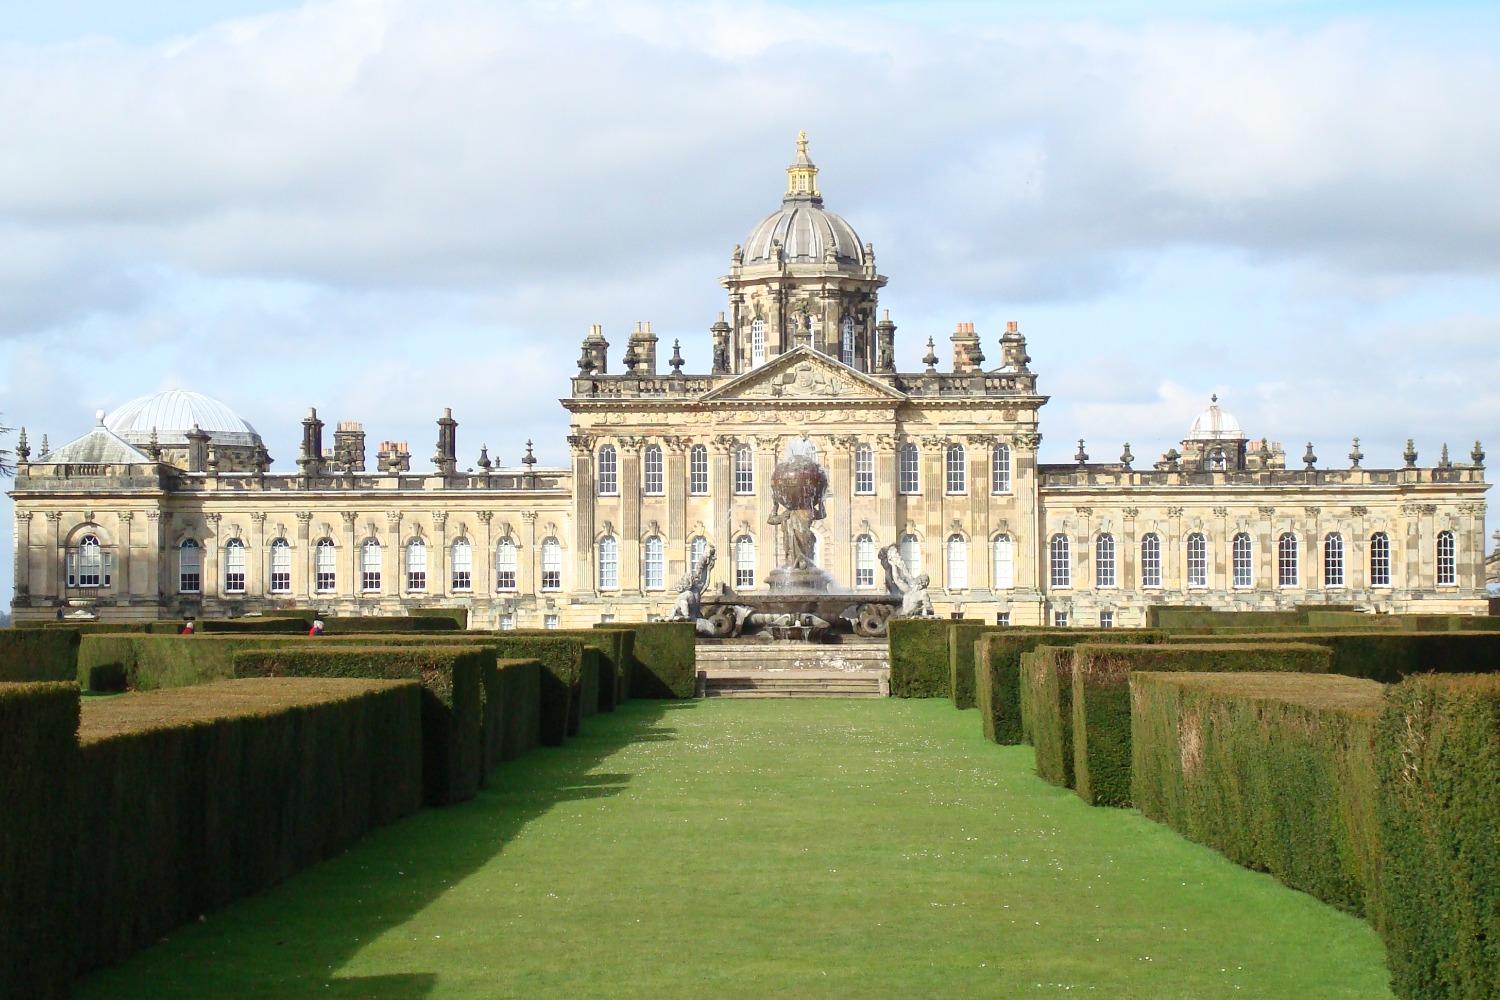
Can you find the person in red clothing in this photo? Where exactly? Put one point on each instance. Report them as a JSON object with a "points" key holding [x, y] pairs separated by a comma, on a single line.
{"points": [[317, 627], [187, 628]]}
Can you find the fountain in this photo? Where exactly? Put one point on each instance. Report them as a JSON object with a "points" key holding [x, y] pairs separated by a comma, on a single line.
{"points": [[801, 603]]}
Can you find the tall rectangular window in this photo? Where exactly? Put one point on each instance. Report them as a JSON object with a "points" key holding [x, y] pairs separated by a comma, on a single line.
{"points": [[698, 470], [1151, 560], [744, 562], [1197, 560], [758, 342], [1288, 572], [864, 561], [1005, 563], [1244, 561], [653, 481], [461, 566], [653, 567], [1104, 560], [281, 566], [1000, 469], [369, 566], [744, 470], [609, 471], [416, 565], [505, 565], [234, 566], [958, 481], [1106, 619], [1380, 559], [189, 568], [911, 554], [609, 563], [1333, 560], [551, 564], [1447, 559], [864, 470], [1061, 561], [911, 480], [958, 562], [325, 566]]}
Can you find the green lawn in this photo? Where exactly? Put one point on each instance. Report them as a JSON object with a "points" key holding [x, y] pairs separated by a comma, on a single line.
{"points": [[770, 848]]}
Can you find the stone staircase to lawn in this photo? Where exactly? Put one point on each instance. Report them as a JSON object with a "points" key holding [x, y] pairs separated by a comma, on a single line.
{"points": [[756, 669]]}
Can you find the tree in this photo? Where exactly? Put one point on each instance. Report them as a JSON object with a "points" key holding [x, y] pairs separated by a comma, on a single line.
{"points": [[7, 468]]}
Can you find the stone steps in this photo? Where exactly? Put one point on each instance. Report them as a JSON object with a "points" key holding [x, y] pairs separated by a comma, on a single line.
{"points": [[798, 684], [751, 669]]}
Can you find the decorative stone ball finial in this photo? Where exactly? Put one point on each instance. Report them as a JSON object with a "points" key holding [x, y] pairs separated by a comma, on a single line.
{"points": [[1355, 455], [1309, 458], [1410, 454], [528, 459], [930, 359], [1082, 456], [1126, 457], [1477, 455], [484, 458], [676, 361], [23, 449], [1444, 462]]}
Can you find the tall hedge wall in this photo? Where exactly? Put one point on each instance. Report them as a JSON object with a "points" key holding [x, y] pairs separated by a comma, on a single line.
{"points": [[451, 698], [1047, 709], [38, 822], [274, 626], [664, 659], [38, 654], [391, 623], [1274, 770], [919, 656], [1438, 758], [1388, 656], [194, 796], [1101, 699], [961, 660], [997, 670], [604, 644], [509, 710], [149, 662], [1170, 616]]}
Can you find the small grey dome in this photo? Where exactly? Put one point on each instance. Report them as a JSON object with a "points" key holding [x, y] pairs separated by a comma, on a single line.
{"points": [[173, 413], [1214, 424], [805, 229]]}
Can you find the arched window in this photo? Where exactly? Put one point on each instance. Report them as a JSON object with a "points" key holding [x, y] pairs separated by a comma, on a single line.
{"points": [[911, 553], [1061, 561], [846, 341], [325, 566], [1288, 572], [1197, 560], [189, 567], [653, 481], [505, 565], [88, 564], [744, 469], [653, 568], [698, 470], [461, 565], [864, 561], [744, 562], [697, 546], [958, 479], [1000, 469], [1004, 557], [234, 566], [551, 564], [1380, 559], [910, 462], [1243, 554], [281, 566], [1447, 559], [609, 471], [958, 562], [1104, 560], [369, 566], [864, 469], [609, 563], [758, 342], [1151, 560], [1333, 560], [416, 565]]}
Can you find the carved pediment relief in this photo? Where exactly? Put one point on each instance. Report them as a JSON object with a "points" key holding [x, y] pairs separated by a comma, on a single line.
{"points": [[803, 373]]}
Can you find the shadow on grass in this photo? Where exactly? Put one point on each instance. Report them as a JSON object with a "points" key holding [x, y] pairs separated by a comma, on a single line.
{"points": [[290, 940]]}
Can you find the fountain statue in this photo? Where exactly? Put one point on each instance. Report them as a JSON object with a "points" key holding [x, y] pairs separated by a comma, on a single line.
{"points": [[798, 484], [915, 601], [690, 588]]}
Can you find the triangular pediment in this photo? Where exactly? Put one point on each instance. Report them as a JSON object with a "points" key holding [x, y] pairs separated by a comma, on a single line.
{"points": [[803, 374]]}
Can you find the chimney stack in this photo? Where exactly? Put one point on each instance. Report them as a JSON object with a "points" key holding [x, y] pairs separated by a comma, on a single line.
{"points": [[446, 459], [968, 356], [644, 343], [349, 445], [311, 459]]}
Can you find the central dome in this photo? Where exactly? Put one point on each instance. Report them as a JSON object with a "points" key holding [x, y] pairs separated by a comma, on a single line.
{"points": [[808, 232], [1215, 424], [174, 412]]}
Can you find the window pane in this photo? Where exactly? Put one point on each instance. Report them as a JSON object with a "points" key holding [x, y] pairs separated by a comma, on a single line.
{"points": [[654, 478], [958, 562], [461, 565], [1005, 563], [551, 564], [190, 568], [1104, 561], [698, 470], [609, 563], [234, 566], [369, 566], [846, 341], [1333, 560], [1447, 559], [416, 565], [864, 561], [957, 474], [325, 573], [1380, 560], [505, 565], [910, 477], [1244, 563], [609, 481], [1061, 564], [757, 342], [281, 566], [1000, 469], [654, 569], [911, 554], [1151, 561], [864, 469], [744, 469], [1287, 570], [744, 562], [1197, 561]]}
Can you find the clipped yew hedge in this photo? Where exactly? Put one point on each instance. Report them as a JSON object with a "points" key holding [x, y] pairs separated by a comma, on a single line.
{"points": [[1186, 617], [1274, 770], [919, 656], [389, 623], [997, 670], [1047, 710], [1387, 655], [273, 626], [664, 659], [1101, 699], [604, 645], [189, 798], [149, 662], [1438, 762], [38, 824], [451, 678], [521, 693], [39, 654]]}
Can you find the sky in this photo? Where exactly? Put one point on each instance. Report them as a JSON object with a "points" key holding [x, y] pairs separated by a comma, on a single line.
{"points": [[387, 207]]}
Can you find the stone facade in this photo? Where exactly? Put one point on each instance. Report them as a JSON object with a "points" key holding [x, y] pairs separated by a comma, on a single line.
{"points": [[138, 520]]}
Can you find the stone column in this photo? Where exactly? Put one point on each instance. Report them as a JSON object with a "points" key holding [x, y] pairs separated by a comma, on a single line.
{"points": [[391, 581], [1083, 550], [124, 563], [1219, 582], [886, 488], [1027, 500], [438, 581], [586, 502], [212, 586], [23, 553], [484, 559], [629, 549], [1127, 574], [1264, 539], [154, 532], [529, 565], [1174, 572], [767, 554], [675, 542], [255, 560], [721, 499], [981, 565], [934, 490], [838, 529], [302, 559], [351, 586], [53, 579]]}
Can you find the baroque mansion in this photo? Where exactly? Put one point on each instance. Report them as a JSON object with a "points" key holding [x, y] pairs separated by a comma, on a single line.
{"points": [[168, 506]]}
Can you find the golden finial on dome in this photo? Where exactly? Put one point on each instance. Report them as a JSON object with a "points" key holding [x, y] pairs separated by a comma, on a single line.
{"points": [[802, 176]]}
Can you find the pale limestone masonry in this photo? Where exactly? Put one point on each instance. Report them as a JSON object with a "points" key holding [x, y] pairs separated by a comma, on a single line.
{"points": [[168, 506]]}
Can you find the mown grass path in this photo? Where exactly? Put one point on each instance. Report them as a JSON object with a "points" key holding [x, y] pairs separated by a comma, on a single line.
{"points": [[820, 848]]}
